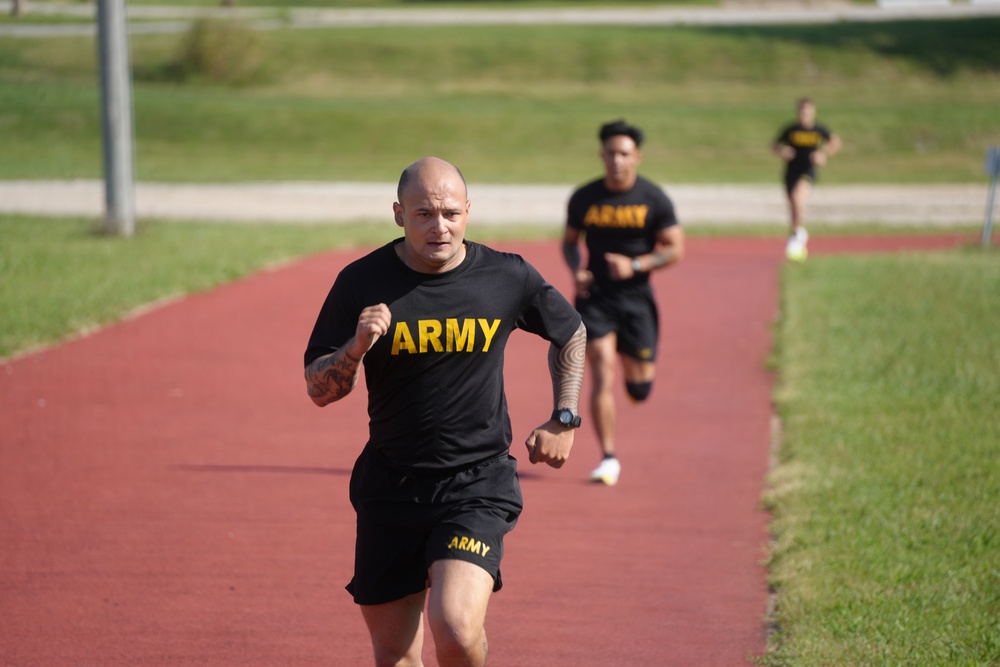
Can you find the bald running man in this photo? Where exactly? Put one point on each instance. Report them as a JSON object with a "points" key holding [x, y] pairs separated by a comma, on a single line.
{"points": [[435, 488]]}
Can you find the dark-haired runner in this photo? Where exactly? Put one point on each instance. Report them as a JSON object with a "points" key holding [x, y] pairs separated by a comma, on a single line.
{"points": [[435, 488], [630, 230]]}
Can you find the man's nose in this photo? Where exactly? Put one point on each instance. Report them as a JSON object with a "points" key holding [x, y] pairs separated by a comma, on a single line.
{"points": [[439, 222]]}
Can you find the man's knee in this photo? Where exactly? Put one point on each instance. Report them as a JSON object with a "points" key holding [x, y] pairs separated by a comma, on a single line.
{"points": [[459, 645], [639, 391]]}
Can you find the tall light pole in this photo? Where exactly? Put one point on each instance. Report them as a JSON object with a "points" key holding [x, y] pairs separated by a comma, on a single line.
{"points": [[116, 117]]}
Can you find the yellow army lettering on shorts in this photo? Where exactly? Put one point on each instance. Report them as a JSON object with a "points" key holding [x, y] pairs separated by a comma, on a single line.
{"points": [[451, 335], [469, 544]]}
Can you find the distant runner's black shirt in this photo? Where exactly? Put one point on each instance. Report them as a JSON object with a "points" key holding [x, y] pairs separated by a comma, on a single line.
{"points": [[805, 141], [621, 222], [435, 380]]}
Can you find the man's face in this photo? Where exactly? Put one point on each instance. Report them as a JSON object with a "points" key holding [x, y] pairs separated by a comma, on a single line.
{"points": [[807, 114], [433, 213], [621, 159]]}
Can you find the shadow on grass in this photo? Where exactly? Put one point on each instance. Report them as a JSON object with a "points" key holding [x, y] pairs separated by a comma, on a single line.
{"points": [[941, 47]]}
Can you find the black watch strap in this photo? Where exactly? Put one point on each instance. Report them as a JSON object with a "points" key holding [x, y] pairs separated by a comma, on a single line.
{"points": [[566, 417]]}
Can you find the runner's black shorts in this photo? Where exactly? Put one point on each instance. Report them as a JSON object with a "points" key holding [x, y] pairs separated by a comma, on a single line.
{"points": [[628, 311], [793, 174], [408, 520]]}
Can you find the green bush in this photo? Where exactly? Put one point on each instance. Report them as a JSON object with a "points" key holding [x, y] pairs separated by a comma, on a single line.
{"points": [[220, 51]]}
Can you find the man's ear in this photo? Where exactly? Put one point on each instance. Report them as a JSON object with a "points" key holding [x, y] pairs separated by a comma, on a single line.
{"points": [[397, 213]]}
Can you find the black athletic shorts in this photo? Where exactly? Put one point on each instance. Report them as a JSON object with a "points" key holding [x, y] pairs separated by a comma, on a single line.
{"points": [[629, 311], [794, 174], [408, 520]]}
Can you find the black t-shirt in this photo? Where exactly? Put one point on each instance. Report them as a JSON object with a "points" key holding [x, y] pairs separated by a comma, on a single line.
{"points": [[621, 222], [805, 141], [435, 380]]}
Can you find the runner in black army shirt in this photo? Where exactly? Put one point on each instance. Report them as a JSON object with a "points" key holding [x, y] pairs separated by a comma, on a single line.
{"points": [[803, 145], [630, 230], [435, 488]]}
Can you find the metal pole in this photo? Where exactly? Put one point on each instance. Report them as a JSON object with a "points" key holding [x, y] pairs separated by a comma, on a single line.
{"points": [[988, 224], [116, 117]]}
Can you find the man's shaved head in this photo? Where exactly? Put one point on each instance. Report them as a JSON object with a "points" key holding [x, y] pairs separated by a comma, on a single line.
{"points": [[428, 169]]}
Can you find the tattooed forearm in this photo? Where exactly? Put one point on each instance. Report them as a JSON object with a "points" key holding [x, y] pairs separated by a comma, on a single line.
{"points": [[566, 366], [657, 259], [332, 377], [662, 257]]}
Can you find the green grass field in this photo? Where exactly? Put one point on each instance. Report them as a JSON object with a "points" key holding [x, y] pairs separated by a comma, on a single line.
{"points": [[915, 102], [885, 513]]}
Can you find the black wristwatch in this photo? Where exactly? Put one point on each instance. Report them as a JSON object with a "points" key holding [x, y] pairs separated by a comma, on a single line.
{"points": [[566, 417]]}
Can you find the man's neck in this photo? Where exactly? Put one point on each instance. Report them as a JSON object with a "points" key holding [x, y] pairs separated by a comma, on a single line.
{"points": [[620, 186]]}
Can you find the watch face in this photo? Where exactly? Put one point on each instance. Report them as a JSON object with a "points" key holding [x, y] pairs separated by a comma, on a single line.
{"points": [[565, 417]]}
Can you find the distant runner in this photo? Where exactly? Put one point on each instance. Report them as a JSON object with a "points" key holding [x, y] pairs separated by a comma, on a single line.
{"points": [[803, 146]]}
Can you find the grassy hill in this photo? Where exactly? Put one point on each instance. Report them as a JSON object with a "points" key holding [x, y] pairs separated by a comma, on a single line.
{"points": [[913, 101]]}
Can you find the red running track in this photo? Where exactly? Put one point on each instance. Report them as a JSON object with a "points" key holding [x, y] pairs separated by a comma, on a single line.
{"points": [[170, 496]]}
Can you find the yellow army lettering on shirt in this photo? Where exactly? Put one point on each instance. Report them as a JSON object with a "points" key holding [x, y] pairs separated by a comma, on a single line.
{"points": [[625, 215], [805, 138], [469, 544], [450, 335]]}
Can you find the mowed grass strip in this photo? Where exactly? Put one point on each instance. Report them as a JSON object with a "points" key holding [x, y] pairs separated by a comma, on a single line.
{"points": [[61, 277], [914, 101], [885, 500]]}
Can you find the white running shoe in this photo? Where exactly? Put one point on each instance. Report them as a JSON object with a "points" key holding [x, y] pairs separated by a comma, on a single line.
{"points": [[607, 472], [796, 250], [802, 235]]}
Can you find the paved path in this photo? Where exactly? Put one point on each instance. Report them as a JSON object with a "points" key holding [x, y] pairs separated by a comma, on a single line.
{"points": [[169, 495], [494, 204], [735, 12]]}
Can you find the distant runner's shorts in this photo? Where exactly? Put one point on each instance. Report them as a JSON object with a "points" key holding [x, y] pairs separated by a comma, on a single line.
{"points": [[406, 521], [795, 174], [629, 311]]}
